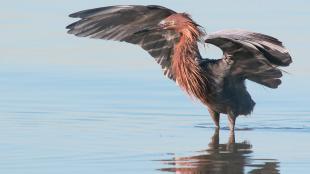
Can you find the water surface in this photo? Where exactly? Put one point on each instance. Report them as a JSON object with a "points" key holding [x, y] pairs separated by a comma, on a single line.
{"points": [[70, 122]]}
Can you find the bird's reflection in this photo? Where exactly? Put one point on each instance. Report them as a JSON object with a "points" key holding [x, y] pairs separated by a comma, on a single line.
{"points": [[228, 158]]}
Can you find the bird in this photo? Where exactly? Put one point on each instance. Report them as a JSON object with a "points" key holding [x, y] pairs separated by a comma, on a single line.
{"points": [[173, 39]]}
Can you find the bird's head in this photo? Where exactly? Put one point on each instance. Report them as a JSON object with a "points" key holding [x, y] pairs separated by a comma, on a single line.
{"points": [[177, 21], [182, 23]]}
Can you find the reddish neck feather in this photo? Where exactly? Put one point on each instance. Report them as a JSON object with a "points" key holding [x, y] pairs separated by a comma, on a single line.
{"points": [[188, 73]]}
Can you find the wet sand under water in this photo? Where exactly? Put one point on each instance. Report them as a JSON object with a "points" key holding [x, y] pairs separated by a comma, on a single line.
{"points": [[55, 123]]}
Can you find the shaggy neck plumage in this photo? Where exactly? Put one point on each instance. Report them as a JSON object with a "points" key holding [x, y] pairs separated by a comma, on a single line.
{"points": [[189, 75]]}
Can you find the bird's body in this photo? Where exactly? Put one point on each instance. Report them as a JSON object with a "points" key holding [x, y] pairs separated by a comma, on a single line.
{"points": [[172, 38]]}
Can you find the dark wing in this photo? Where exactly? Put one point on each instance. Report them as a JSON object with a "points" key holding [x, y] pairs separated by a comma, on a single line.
{"points": [[255, 56], [132, 24]]}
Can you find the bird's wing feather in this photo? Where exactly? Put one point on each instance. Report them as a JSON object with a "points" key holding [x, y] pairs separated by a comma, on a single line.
{"points": [[255, 56], [132, 24]]}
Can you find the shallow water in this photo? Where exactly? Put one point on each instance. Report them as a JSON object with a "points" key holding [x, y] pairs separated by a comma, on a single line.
{"points": [[77, 105], [89, 122]]}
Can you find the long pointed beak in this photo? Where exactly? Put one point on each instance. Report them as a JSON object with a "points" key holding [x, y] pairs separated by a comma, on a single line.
{"points": [[150, 28], [156, 27]]}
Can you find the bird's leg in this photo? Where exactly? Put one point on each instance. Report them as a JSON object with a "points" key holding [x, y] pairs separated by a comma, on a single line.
{"points": [[232, 120], [231, 138], [215, 140], [215, 117], [231, 142]]}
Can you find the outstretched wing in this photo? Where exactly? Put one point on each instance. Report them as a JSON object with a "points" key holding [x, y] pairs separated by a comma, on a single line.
{"points": [[133, 24], [255, 56]]}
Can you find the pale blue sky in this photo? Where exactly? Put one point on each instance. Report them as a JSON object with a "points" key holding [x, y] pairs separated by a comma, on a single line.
{"points": [[33, 34]]}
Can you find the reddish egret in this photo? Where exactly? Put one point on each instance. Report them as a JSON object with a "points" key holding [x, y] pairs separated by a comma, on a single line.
{"points": [[172, 38]]}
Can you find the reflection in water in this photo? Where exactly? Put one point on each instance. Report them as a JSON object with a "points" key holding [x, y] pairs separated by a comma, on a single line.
{"points": [[229, 158]]}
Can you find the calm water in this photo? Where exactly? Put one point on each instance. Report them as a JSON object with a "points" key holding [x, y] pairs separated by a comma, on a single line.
{"points": [[89, 122], [76, 105]]}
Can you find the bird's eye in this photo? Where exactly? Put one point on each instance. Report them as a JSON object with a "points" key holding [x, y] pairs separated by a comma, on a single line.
{"points": [[171, 22]]}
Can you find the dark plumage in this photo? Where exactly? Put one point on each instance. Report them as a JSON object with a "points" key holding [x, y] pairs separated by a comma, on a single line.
{"points": [[172, 38]]}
